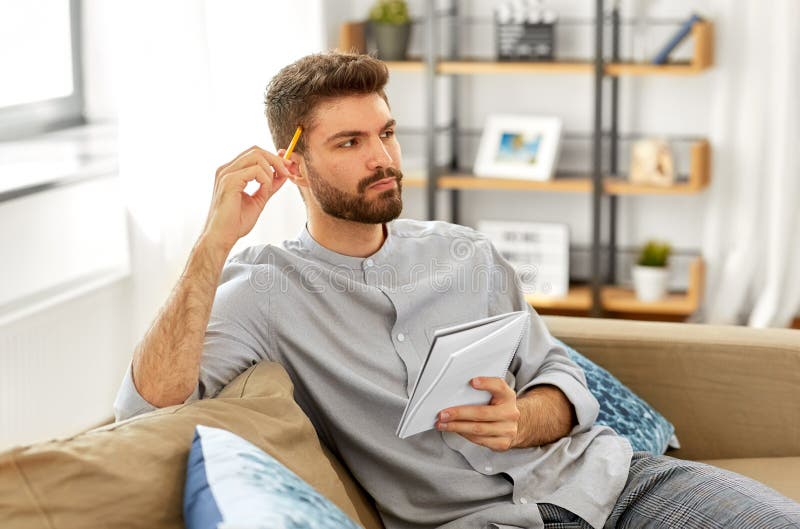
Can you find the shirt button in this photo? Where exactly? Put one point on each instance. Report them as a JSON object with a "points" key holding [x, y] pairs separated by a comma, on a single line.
{"points": [[401, 337], [369, 262], [523, 500], [488, 468]]}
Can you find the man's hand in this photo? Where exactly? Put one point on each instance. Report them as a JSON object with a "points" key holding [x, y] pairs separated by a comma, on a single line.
{"points": [[233, 212], [541, 416], [494, 425], [166, 363]]}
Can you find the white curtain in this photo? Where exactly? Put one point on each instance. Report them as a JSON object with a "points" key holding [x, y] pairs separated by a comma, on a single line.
{"points": [[752, 228], [191, 80]]}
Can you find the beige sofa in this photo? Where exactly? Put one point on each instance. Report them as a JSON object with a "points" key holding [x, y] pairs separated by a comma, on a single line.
{"points": [[732, 393]]}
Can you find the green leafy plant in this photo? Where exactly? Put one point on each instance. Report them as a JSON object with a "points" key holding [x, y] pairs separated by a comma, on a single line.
{"points": [[390, 12], [654, 253]]}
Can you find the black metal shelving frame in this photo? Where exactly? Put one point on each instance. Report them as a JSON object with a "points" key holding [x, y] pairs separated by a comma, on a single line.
{"points": [[431, 58]]}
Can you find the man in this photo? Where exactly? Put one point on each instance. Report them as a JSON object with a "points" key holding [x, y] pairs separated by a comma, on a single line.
{"points": [[349, 308]]}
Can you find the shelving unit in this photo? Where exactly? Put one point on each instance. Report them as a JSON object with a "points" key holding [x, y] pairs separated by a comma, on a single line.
{"points": [[698, 179], [600, 296], [621, 301], [702, 59]]}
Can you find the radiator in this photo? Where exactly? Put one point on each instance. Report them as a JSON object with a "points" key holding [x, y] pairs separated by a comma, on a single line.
{"points": [[65, 309], [60, 367]]}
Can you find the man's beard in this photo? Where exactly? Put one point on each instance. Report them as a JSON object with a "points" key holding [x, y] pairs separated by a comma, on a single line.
{"points": [[357, 207]]}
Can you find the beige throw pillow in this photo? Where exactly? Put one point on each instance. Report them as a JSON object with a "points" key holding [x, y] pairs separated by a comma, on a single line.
{"points": [[132, 473]]}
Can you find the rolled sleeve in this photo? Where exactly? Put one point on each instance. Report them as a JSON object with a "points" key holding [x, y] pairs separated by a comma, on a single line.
{"points": [[130, 403]]}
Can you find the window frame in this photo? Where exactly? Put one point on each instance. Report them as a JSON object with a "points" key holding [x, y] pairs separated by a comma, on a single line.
{"points": [[29, 119]]}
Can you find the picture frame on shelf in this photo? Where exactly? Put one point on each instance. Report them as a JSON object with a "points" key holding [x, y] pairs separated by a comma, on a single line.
{"points": [[538, 251], [518, 146]]}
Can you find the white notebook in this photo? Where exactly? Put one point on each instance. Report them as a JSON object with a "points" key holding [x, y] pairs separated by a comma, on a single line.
{"points": [[482, 348]]}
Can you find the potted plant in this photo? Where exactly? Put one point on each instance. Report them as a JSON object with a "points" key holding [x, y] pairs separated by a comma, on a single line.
{"points": [[391, 26], [650, 273]]}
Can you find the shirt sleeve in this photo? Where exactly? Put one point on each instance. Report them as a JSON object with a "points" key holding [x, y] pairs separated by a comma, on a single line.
{"points": [[130, 403], [540, 359], [235, 339]]}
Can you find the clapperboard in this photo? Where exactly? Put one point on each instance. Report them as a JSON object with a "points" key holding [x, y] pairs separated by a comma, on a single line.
{"points": [[538, 251]]}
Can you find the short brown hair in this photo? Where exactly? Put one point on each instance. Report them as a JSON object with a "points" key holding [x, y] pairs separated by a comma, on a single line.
{"points": [[293, 94]]}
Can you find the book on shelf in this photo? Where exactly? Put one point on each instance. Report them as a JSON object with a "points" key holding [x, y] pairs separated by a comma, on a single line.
{"points": [[682, 32]]}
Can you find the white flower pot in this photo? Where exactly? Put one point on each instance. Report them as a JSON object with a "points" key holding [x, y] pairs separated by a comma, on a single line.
{"points": [[650, 282]]}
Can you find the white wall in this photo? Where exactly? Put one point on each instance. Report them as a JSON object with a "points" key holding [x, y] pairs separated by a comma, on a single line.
{"points": [[100, 51], [185, 82], [64, 344]]}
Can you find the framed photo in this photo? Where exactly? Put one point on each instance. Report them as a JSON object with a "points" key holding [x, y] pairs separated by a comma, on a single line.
{"points": [[519, 147], [538, 251]]}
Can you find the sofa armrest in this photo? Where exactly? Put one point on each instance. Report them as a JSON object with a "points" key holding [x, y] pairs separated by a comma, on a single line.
{"points": [[731, 392]]}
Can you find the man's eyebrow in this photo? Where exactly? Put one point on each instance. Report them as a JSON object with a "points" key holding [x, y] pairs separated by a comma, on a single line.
{"points": [[357, 133]]}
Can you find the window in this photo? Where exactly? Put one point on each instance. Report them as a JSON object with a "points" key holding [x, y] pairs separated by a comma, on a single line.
{"points": [[40, 64]]}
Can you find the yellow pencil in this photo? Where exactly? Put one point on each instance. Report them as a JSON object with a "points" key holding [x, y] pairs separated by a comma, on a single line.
{"points": [[293, 143]]}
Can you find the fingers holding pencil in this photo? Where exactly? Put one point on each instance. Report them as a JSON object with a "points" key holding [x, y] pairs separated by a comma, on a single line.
{"points": [[234, 211]]}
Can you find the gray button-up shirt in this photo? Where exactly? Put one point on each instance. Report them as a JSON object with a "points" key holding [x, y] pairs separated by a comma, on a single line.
{"points": [[353, 334]]}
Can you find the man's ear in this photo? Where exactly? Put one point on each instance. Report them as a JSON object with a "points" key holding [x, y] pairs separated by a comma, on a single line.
{"points": [[297, 169]]}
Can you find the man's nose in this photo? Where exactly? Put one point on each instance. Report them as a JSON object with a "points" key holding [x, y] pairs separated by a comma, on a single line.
{"points": [[379, 157]]}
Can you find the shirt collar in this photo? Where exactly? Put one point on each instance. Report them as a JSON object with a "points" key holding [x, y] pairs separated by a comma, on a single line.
{"points": [[356, 263]]}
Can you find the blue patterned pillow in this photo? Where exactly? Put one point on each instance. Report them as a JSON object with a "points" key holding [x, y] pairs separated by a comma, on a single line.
{"points": [[233, 483], [623, 411]]}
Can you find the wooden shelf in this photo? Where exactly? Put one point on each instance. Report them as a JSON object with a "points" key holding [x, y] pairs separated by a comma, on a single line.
{"points": [[623, 69], [579, 298], [465, 181], [487, 66], [413, 181], [494, 67], [623, 300], [405, 66], [702, 59], [699, 177]]}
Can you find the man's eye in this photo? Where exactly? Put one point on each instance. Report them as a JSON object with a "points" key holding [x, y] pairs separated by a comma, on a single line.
{"points": [[387, 133], [349, 143]]}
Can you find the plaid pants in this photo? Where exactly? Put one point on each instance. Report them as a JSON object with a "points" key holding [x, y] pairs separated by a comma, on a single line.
{"points": [[667, 492]]}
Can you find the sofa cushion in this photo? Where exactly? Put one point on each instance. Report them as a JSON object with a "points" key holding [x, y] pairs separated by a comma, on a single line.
{"points": [[233, 483], [132, 473], [780, 473], [624, 411]]}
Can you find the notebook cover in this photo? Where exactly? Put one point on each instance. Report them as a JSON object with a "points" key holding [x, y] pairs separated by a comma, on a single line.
{"points": [[484, 348]]}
